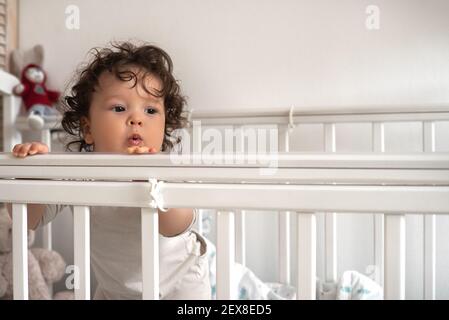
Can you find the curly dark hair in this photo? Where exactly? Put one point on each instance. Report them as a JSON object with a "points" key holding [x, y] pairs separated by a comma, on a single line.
{"points": [[115, 59]]}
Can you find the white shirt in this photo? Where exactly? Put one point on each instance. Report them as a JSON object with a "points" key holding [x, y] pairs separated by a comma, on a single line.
{"points": [[116, 251]]}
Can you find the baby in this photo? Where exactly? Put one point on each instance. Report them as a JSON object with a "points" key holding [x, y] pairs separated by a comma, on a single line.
{"points": [[127, 101]]}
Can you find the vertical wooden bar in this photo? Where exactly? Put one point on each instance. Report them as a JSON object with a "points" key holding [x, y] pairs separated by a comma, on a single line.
{"points": [[284, 247], [240, 215], [20, 251], [11, 109], [306, 285], [429, 256], [330, 219], [150, 254], [47, 236], [378, 136], [46, 137], [429, 143], [284, 220], [199, 221], [81, 224], [394, 288], [197, 137], [240, 236], [46, 230], [225, 254]]}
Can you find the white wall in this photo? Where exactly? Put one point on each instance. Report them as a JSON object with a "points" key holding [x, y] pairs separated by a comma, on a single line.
{"points": [[270, 54], [253, 53]]}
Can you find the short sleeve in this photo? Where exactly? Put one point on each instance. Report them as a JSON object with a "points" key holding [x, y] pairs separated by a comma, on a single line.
{"points": [[51, 211]]}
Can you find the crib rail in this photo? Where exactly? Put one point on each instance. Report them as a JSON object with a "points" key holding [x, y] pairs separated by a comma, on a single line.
{"points": [[392, 185], [308, 168]]}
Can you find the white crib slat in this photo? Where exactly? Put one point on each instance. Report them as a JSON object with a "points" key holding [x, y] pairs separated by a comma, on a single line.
{"points": [[284, 247], [197, 137], [330, 218], [330, 138], [429, 141], [240, 236], [429, 256], [306, 287], [20, 251], [11, 110], [330, 235], [225, 254], [240, 216], [47, 244], [199, 221], [46, 137], [429, 145], [46, 231], [379, 245], [378, 136], [46, 236], [81, 228], [150, 254], [284, 219], [11, 135], [394, 288]]}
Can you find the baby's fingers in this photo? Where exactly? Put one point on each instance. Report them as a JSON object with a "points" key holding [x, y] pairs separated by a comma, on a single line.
{"points": [[33, 149], [16, 149], [24, 149], [21, 150], [131, 149], [146, 150], [142, 150], [38, 148]]}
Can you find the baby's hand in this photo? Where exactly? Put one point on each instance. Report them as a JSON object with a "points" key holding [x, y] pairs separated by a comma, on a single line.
{"points": [[139, 150], [24, 149]]}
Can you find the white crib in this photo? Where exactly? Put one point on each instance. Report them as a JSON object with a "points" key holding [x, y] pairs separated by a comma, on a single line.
{"points": [[389, 185]]}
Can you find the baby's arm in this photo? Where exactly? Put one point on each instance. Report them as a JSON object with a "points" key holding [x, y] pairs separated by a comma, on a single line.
{"points": [[171, 223], [35, 211], [175, 221]]}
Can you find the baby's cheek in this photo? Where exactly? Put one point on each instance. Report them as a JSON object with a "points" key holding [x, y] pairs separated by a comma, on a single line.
{"points": [[160, 140]]}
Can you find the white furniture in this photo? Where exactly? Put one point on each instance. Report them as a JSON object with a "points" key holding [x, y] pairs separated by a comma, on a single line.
{"points": [[390, 185]]}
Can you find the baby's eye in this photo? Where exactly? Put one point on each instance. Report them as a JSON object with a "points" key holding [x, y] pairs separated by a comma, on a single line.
{"points": [[151, 110], [118, 108]]}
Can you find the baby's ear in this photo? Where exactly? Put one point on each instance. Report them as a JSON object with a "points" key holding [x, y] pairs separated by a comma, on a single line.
{"points": [[85, 130]]}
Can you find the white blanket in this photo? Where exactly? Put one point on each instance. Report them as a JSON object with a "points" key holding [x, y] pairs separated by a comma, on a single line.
{"points": [[247, 286]]}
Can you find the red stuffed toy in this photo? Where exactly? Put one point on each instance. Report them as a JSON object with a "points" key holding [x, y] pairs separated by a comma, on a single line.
{"points": [[38, 100]]}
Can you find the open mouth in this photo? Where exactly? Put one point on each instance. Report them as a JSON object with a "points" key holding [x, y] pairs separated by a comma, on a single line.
{"points": [[135, 140]]}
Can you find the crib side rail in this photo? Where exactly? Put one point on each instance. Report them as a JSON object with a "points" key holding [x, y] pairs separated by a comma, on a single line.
{"points": [[423, 196], [303, 168], [304, 199]]}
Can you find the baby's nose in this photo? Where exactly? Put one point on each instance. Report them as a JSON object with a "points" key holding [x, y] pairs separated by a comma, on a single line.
{"points": [[133, 122]]}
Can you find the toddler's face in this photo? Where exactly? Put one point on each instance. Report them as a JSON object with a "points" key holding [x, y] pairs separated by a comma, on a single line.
{"points": [[121, 116]]}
